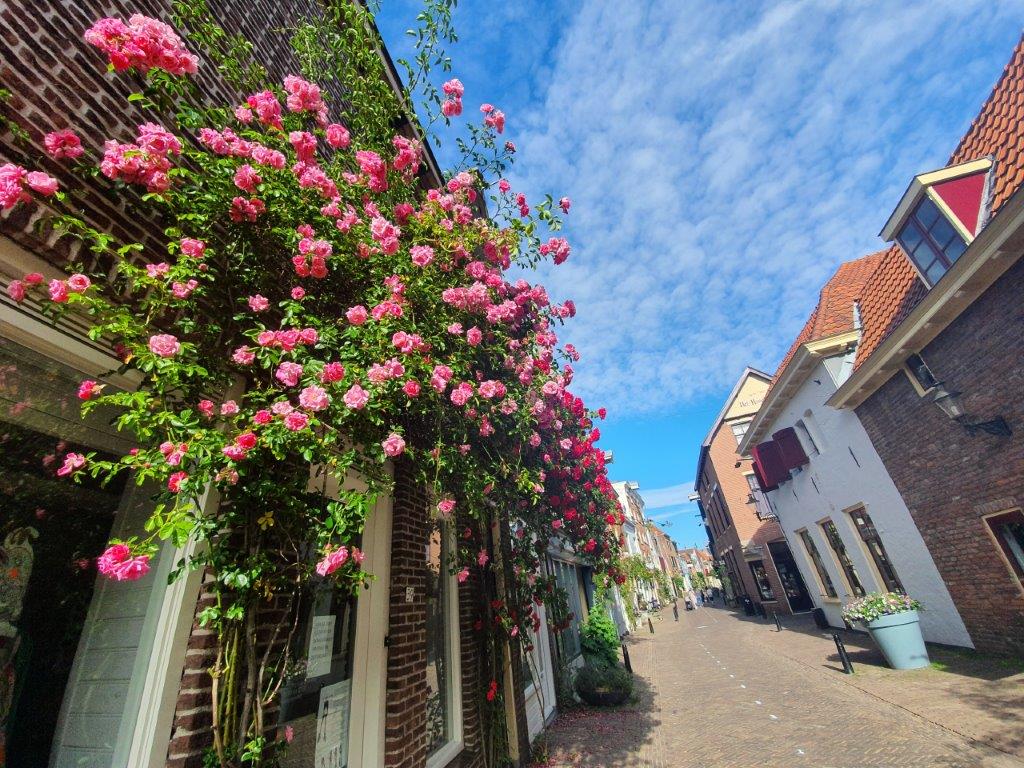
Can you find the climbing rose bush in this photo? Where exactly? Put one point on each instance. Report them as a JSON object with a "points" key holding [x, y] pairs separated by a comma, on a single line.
{"points": [[319, 309]]}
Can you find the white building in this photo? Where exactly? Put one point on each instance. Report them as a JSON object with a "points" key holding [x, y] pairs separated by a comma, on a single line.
{"points": [[848, 527]]}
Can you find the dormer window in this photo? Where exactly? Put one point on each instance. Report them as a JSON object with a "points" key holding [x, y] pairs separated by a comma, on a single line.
{"points": [[931, 241], [939, 215]]}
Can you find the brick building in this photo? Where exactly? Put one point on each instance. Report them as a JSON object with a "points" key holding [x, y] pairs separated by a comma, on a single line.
{"points": [[939, 372], [746, 537], [118, 676]]}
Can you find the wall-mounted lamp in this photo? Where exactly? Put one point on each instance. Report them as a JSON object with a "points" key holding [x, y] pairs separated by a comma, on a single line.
{"points": [[953, 406]]}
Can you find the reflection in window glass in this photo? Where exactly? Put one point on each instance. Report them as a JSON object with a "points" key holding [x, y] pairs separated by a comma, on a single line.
{"points": [[764, 587], [316, 700], [51, 531], [569, 638], [438, 682], [843, 557]]}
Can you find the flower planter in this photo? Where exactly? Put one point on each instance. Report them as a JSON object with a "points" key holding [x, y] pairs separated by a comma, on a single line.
{"points": [[604, 698], [898, 636]]}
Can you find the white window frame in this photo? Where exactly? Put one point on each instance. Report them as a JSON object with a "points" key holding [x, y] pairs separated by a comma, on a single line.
{"points": [[453, 650]]}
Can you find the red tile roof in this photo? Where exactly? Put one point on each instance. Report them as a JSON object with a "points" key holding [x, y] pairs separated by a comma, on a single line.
{"points": [[834, 313], [894, 289]]}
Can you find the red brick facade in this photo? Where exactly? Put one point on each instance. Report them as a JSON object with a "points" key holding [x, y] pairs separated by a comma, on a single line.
{"points": [[951, 479]]}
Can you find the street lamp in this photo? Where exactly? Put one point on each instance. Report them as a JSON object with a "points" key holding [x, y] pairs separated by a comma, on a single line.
{"points": [[951, 405]]}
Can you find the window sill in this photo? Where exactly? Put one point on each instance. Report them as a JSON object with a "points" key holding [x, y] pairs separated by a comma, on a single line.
{"points": [[445, 754]]}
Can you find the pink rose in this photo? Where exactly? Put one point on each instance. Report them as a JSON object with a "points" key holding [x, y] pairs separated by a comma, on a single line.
{"points": [[474, 336], [63, 144], [229, 408], [298, 293], [34, 278], [117, 563], [42, 183], [175, 480], [332, 372], [78, 283], [564, 204], [243, 356], [58, 291], [246, 178], [411, 388], [234, 452], [314, 398], [258, 303], [421, 255], [16, 290], [288, 373], [332, 560], [357, 315], [192, 247], [282, 408], [89, 389], [262, 417], [164, 345], [246, 440], [445, 507], [296, 421], [338, 136], [394, 445], [206, 408], [356, 397], [482, 558], [463, 575], [72, 461]]}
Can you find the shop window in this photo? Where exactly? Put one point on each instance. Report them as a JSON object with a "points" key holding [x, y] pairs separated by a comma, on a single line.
{"points": [[1008, 530], [444, 715], [764, 586], [873, 543], [316, 699], [819, 565], [838, 548]]}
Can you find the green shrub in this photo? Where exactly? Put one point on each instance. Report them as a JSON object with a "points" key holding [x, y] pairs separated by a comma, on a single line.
{"points": [[599, 637], [610, 682]]}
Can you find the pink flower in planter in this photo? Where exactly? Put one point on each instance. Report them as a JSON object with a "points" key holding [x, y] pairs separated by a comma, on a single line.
{"points": [[296, 421], [288, 373], [164, 345], [63, 144], [72, 461], [314, 398], [332, 560], [394, 445]]}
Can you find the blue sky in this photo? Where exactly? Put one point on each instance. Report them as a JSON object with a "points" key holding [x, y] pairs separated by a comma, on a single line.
{"points": [[723, 158]]}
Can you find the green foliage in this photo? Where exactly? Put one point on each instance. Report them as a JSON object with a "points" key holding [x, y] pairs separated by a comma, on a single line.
{"points": [[603, 679], [599, 637]]}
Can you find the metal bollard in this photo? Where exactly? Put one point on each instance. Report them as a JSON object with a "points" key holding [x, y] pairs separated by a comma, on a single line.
{"points": [[650, 625], [778, 625], [625, 659], [843, 655]]}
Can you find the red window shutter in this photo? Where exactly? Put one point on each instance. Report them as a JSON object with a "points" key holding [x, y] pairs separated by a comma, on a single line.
{"points": [[762, 482], [772, 468], [793, 455]]}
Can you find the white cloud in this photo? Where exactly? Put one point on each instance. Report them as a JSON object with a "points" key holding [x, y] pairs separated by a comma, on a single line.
{"points": [[670, 496], [722, 164]]}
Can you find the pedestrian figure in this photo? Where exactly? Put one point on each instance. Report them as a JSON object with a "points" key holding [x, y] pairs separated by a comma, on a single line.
{"points": [[675, 610]]}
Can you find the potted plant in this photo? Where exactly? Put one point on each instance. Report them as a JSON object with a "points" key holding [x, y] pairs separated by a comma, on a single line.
{"points": [[891, 618], [600, 685]]}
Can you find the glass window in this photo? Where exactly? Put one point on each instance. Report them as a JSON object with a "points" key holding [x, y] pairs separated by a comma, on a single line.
{"points": [[806, 438], [764, 587], [819, 565], [931, 240], [843, 557], [440, 644], [739, 429], [1008, 529], [873, 543], [316, 698], [921, 372], [569, 638]]}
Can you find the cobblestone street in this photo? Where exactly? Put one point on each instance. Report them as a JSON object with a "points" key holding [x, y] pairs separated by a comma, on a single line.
{"points": [[719, 690]]}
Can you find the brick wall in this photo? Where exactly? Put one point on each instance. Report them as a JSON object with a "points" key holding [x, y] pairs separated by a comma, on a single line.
{"points": [[949, 478], [729, 470]]}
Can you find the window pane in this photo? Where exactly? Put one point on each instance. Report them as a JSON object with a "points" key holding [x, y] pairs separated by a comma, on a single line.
{"points": [[955, 249], [910, 236], [1008, 529], [942, 232], [836, 543], [927, 213], [819, 566], [739, 430], [569, 638], [935, 272], [438, 694], [761, 578], [876, 549]]}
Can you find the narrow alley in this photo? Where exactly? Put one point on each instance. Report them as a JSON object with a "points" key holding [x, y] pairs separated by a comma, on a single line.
{"points": [[721, 690]]}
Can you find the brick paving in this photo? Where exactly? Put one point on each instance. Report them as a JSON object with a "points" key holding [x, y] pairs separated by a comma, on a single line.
{"points": [[719, 691]]}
